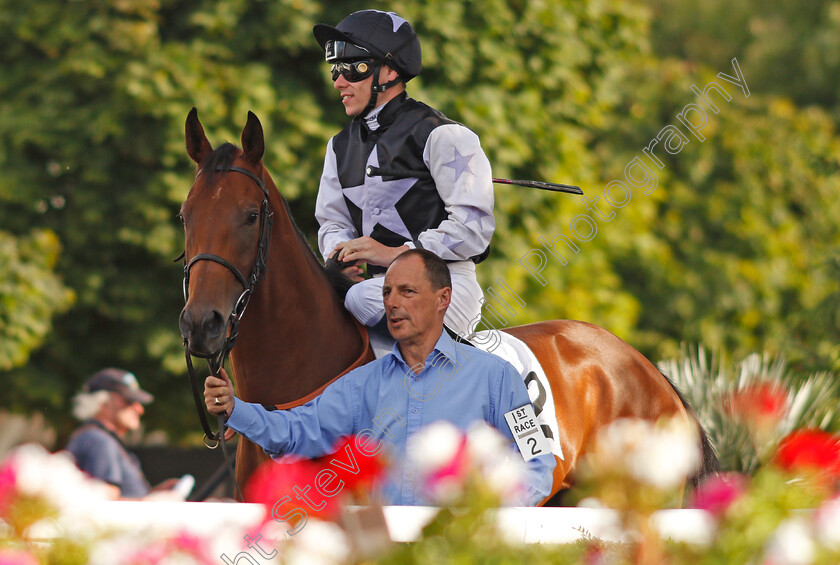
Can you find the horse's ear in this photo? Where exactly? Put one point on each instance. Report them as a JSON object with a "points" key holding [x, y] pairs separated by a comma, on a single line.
{"points": [[253, 142], [197, 145]]}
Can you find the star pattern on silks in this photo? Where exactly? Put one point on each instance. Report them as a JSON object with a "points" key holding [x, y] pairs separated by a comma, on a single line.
{"points": [[460, 163], [475, 215], [377, 200], [450, 243]]}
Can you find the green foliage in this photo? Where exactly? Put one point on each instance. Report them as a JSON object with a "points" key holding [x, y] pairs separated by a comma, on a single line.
{"points": [[737, 247], [30, 293], [790, 48]]}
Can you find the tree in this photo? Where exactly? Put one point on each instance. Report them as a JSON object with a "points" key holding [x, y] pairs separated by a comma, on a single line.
{"points": [[30, 293]]}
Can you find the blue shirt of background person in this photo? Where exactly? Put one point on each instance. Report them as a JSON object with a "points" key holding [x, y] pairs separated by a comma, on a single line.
{"points": [[426, 378]]}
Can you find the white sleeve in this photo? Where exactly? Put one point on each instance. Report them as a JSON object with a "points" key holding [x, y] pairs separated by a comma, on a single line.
{"points": [[464, 181], [331, 209]]}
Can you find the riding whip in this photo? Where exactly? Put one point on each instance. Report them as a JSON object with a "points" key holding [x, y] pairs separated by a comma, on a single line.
{"points": [[372, 171]]}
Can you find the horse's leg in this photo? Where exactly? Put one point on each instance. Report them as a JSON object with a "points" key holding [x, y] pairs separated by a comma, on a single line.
{"points": [[249, 456]]}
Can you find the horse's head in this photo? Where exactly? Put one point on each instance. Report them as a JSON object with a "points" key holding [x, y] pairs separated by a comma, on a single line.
{"points": [[226, 227]]}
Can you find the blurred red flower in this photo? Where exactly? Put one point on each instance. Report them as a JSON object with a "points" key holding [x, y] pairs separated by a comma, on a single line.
{"points": [[318, 485], [717, 494], [293, 478], [360, 471], [811, 451], [761, 403]]}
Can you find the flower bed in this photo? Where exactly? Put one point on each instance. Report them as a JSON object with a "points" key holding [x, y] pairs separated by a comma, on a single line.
{"points": [[52, 514]]}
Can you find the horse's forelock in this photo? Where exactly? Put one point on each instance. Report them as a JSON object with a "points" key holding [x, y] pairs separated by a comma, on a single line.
{"points": [[219, 160]]}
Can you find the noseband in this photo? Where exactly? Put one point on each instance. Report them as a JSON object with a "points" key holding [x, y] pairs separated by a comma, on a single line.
{"points": [[217, 361]]}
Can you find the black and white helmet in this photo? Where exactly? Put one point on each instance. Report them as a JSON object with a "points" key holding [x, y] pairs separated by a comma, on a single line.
{"points": [[384, 37]]}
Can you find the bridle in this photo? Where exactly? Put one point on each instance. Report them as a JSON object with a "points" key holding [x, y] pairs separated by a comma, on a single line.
{"points": [[217, 361], [248, 284]]}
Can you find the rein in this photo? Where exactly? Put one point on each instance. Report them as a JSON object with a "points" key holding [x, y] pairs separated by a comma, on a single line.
{"points": [[216, 362]]}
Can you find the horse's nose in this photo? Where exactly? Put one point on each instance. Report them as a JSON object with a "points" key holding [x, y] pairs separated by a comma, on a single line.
{"points": [[204, 328]]}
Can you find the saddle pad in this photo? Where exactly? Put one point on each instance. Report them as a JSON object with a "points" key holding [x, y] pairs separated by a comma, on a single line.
{"points": [[515, 352]]}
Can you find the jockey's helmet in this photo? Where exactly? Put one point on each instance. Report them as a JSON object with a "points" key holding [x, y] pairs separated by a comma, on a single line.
{"points": [[372, 35]]}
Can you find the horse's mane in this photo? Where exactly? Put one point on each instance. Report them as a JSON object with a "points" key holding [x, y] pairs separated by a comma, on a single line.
{"points": [[338, 280], [220, 160]]}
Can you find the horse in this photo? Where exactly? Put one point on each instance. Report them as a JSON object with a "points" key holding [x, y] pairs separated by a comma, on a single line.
{"points": [[297, 337]]}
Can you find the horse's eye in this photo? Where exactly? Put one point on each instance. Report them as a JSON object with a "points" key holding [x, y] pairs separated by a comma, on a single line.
{"points": [[252, 218], [180, 218]]}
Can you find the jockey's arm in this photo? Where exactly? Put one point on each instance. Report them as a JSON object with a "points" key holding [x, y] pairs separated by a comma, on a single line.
{"points": [[336, 226], [464, 181]]}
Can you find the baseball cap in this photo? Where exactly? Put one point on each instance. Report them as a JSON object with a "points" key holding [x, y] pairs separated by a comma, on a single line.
{"points": [[119, 381]]}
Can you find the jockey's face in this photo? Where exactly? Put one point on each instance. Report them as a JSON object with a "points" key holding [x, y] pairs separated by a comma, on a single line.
{"points": [[355, 95], [414, 309]]}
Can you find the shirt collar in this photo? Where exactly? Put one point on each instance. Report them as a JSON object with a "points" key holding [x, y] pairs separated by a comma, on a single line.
{"points": [[371, 119], [444, 346], [383, 116]]}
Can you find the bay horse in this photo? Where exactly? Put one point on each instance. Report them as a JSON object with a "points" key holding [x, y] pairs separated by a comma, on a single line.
{"points": [[297, 336]]}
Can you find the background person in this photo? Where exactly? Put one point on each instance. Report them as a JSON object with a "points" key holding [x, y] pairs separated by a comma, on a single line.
{"points": [[427, 377], [110, 405], [373, 219]]}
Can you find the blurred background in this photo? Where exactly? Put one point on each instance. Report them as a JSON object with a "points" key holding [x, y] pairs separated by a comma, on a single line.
{"points": [[736, 252]]}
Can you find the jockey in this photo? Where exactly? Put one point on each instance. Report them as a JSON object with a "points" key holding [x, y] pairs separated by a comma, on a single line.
{"points": [[373, 219]]}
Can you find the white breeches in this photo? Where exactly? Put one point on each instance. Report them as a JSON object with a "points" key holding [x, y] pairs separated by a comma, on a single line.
{"points": [[364, 299]]}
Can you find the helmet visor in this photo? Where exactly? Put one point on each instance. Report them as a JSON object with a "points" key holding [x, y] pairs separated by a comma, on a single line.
{"points": [[353, 72], [336, 50]]}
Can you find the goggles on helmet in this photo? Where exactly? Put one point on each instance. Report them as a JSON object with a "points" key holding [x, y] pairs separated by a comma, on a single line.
{"points": [[336, 50], [353, 72]]}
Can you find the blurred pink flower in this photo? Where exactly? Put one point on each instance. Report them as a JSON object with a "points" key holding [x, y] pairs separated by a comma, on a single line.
{"points": [[8, 487], [149, 555], [718, 493], [192, 545], [12, 557], [446, 480]]}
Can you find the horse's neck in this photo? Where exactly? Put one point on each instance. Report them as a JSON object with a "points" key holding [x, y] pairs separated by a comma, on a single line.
{"points": [[296, 334]]}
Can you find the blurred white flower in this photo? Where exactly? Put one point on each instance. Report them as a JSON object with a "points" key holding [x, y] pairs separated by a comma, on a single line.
{"points": [[434, 446], [116, 550], [54, 477], [485, 444], [827, 523], [500, 469], [447, 459], [445, 490], [668, 456], [506, 479], [319, 543], [792, 544], [661, 454]]}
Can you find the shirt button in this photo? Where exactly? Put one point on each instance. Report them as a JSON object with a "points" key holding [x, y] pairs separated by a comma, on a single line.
{"points": [[375, 211], [415, 410]]}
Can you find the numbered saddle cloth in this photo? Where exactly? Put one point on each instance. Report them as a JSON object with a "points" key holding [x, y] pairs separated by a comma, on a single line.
{"points": [[515, 352]]}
